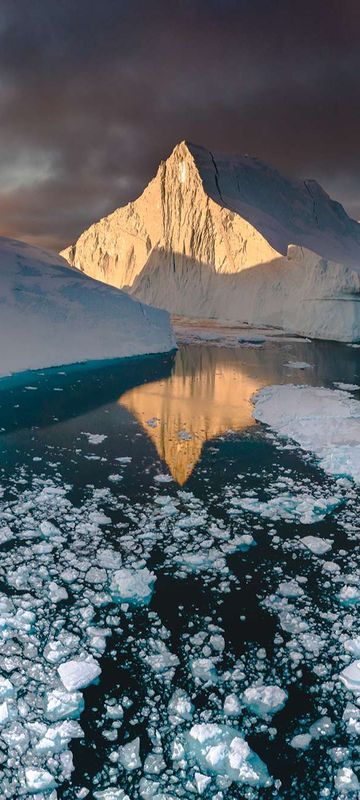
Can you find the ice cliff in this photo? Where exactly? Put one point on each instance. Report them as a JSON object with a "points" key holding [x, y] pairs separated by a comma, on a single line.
{"points": [[52, 314], [231, 238]]}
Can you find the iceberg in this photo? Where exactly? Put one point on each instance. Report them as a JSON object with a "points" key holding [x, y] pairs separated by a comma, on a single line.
{"points": [[229, 237], [52, 314]]}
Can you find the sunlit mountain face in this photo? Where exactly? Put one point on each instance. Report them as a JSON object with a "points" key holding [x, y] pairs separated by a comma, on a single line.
{"points": [[205, 396]]}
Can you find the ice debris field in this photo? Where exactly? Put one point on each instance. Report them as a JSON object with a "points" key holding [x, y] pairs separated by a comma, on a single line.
{"points": [[194, 642]]}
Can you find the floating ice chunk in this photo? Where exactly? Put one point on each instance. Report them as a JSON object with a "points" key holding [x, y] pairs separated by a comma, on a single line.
{"points": [[222, 750], [301, 741], [160, 659], [111, 794], [217, 642], [163, 478], [79, 673], [6, 533], [63, 705], [95, 575], [325, 422], [133, 585], [347, 387], [48, 529], [346, 780], [129, 755], [204, 669], [57, 737], [290, 589], [39, 780], [57, 593], [154, 763], [298, 365], [115, 477], [207, 560], [180, 707], [349, 596], [351, 717], [243, 542], [265, 700], [201, 782], [351, 646], [4, 713], [6, 688], [316, 544], [322, 727], [95, 438], [232, 705], [303, 507], [350, 677]]}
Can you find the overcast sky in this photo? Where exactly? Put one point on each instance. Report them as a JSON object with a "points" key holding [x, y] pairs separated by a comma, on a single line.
{"points": [[94, 93]]}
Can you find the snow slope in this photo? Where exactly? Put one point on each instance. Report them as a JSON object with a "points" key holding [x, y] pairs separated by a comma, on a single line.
{"points": [[232, 239], [51, 315]]}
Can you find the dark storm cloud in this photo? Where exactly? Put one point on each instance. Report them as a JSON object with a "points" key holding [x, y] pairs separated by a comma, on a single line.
{"points": [[94, 93]]}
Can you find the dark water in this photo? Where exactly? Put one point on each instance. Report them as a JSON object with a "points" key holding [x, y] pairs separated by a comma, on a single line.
{"points": [[190, 417]]}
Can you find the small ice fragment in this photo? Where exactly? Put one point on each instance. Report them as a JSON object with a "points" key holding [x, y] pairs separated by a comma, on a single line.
{"points": [[163, 478], [232, 705], [316, 544], [39, 780], [349, 596], [265, 700], [4, 713], [180, 706], [298, 365], [346, 780], [129, 755], [95, 438], [347, 387], [201, 782], [204, 669], [350, 677], [322, 727], [111, 794], [351, 646], [301, 741]]}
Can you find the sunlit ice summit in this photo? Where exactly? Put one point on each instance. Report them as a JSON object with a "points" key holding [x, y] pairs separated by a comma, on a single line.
{"points": [[231, 238]]}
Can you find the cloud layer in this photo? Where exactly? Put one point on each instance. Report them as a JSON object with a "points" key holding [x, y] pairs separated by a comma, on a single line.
{"points": [[94, 93]]}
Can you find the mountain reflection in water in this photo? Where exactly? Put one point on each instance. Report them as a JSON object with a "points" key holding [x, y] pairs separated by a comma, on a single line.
{"points": [[208, 394]]}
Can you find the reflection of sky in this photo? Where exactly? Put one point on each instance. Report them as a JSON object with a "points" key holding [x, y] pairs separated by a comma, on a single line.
{"points": [[198, 402]]}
